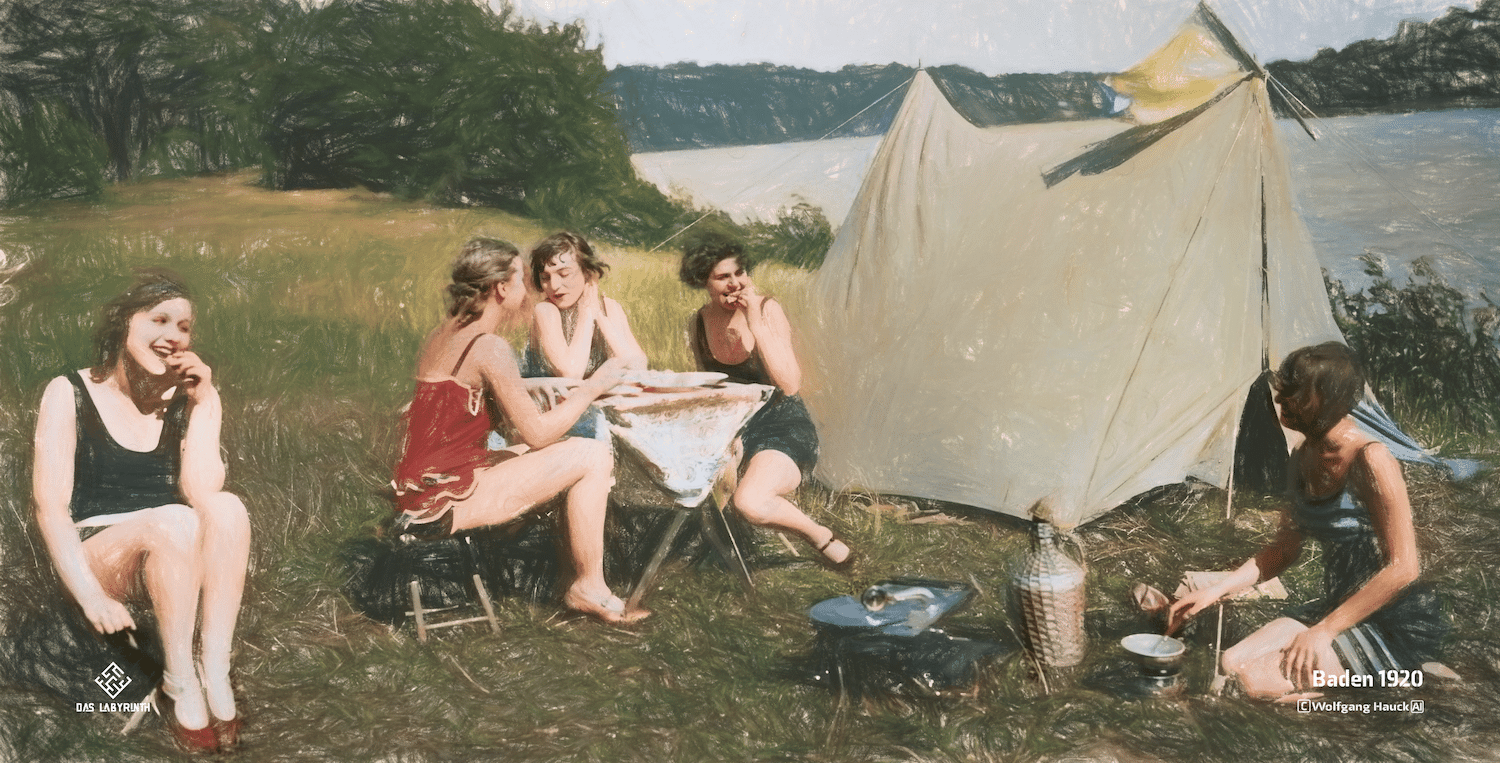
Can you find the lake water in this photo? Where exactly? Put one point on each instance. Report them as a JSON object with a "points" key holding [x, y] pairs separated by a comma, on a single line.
{"points": [[1395, 186]]}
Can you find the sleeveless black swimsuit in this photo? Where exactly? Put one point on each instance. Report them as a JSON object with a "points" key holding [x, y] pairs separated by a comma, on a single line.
{"points": [[783, 425], [109, 478]]}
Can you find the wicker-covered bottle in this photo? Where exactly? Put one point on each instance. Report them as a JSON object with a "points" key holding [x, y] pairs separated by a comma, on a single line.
{"points": [[1049, 587]]}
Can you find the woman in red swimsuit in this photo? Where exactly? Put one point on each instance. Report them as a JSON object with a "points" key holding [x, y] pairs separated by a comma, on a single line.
{"points": [[448, 480]]}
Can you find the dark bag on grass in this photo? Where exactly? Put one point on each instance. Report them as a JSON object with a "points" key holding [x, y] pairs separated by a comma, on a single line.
{"points": [[53, 647]]}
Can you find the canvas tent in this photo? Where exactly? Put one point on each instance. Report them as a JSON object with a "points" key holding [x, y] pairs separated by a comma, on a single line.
{"points": [[1046, 320]]}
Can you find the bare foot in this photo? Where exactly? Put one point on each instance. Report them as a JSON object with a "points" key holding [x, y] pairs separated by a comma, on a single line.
{"points": [[836, 553], [608, 608], [1287, 699]]}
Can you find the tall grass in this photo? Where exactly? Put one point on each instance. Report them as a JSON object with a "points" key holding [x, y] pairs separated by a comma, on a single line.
{"points": [[312, 306]]}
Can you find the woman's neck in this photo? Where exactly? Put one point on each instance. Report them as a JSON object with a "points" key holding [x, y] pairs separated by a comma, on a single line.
{"points": [[488, 321], [146, 391], [1341, 436]]}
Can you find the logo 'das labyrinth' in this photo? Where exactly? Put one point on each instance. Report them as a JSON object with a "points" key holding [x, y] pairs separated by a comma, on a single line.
{"points": [[113, 680]]}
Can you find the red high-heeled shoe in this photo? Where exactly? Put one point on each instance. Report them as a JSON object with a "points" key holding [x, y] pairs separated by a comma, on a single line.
{"points": [[227, 732], [188, 740]]}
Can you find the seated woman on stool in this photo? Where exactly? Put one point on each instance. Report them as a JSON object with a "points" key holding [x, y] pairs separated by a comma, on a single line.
{"points": [[1347, 492], [449, 481], [128, 484], [746, 336]]}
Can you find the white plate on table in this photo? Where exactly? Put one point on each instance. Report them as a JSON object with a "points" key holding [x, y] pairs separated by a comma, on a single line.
{"points": [[674, 381]]}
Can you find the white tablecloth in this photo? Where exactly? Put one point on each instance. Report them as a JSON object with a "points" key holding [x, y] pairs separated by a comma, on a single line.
{"points": [[671, 446]]}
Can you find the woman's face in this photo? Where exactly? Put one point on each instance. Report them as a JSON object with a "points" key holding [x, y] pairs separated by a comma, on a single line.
{"points": [[563, 281], [1299, 415], [727, 279], [158, 332]]}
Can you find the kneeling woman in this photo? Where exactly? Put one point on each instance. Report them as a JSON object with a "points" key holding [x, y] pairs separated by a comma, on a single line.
{"points": [[746, 336], [1346, 491], [448, 480], [128, 483]]}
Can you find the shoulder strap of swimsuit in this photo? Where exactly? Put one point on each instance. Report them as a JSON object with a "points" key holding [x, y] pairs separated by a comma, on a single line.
{"points": [[83, 403], [464, 356]]}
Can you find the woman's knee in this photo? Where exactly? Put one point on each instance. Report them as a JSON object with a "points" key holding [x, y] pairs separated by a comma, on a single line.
{"points": [[224, 515], [175, 530], [595, 457], [754, 502]]}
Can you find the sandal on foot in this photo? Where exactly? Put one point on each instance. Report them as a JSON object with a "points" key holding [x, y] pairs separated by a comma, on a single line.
{"points": [[610, 610], [843, 566]]}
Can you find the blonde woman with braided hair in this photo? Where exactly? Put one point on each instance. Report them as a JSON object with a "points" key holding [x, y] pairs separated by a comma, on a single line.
{"points": [[448, 481]]}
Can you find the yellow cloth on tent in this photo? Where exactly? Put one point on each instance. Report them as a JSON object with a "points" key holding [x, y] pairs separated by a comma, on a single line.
{"points": [[1179, 76]]}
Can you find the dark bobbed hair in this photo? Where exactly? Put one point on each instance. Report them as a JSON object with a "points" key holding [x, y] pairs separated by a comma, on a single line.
{"points": [[701, 255], [1332, 372], [554, 246], [482, 263], [152, 287]]}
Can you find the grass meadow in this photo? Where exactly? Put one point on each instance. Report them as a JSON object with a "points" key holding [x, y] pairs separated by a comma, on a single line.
{"points": [[311, 307]]}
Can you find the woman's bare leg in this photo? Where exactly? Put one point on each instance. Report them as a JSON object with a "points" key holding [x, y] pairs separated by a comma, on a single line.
{"points": [[761, 498], [1256, 661], [225, 552], [584, 468], [162, 543]]}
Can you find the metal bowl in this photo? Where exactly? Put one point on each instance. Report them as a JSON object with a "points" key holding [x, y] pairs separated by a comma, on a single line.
{"points": [[1154, 653]]}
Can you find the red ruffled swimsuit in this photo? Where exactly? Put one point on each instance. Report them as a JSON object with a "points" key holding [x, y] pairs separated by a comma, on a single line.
{"points": [[446, 430]]}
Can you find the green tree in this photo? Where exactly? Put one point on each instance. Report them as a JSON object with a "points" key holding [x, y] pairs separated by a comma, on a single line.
{"points": [[46, 153], [452, 101], [107, 62]]}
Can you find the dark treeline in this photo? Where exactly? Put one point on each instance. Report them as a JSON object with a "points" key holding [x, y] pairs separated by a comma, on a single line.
{"points": [[1451, 61], [444, 100], [692, 106]]}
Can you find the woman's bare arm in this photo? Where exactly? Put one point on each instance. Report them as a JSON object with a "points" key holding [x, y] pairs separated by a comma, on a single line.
{"points": [[202, 463], [1271, 561], [569, 358], [618, 337], [497, 366], [52, 490], [773, 339]]}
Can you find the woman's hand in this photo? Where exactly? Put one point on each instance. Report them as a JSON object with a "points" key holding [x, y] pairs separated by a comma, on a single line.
{"points": [[745, 299], [108, 615], [609, 375], [592, 300], [1310, 650], [1185, 608], [197, 377]]}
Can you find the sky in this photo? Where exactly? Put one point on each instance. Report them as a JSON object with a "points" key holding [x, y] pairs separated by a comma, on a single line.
{"points": [[991, 36]]}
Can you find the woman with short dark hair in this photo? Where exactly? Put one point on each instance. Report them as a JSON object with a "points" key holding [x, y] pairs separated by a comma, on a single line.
{"points": [[1347, 492], [746, 336], [575, 328]]}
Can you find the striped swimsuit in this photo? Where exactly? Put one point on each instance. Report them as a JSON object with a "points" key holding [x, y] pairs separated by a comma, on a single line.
{"points": [[1404, 633]]}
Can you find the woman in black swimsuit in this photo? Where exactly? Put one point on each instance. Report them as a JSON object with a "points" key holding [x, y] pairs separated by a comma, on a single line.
{"points": [[746, 336], [128, 484]]}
